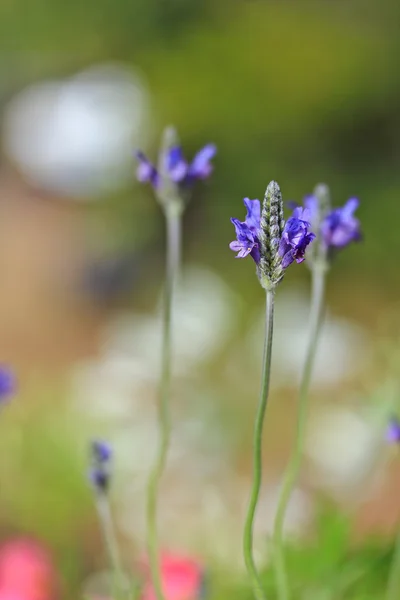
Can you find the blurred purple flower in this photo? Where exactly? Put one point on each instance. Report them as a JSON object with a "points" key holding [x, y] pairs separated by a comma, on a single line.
{"points": [[393, 431], [340, 227], [247, 241], [146, 171], [296, 237], [101, 451], [177, 169], [99, 474], [7, 383]]}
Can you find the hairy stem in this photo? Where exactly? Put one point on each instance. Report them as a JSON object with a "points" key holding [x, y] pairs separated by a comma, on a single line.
{"points": [[257, 451], [173, 224], [293, 468]]}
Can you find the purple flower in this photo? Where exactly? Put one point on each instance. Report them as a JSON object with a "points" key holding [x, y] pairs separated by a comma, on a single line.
{"points": [[99, 473], [176, 168], [146, 171], [340, 227], [7, 383], [101, 451], [295, 237], [393, 431], [247, 241]]}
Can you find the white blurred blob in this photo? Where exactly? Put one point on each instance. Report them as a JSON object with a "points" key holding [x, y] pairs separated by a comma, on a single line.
{"points": [[344, 447], [76, 136], [342, 348], [128, 370]]}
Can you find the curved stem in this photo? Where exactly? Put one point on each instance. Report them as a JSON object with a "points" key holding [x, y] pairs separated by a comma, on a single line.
{"points": [[393, 587], [257, 451], [173, 223], [293, 468]]}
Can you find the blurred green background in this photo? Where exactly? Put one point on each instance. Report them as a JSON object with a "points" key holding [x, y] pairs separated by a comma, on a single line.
{"points": [[291, 90]]}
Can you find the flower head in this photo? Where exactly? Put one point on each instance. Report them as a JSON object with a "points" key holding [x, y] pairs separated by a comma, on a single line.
{"points": [[271, 243], [7, 383], [100, 471], [173, 167], [393, 431], [340, 227], [296, 237]]}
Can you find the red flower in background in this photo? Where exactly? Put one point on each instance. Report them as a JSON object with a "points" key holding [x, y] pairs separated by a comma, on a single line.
{"points": [[26, 571], [182, 578]]}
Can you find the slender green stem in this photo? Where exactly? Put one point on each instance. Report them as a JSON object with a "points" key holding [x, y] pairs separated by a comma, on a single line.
{"points": [[393, 587], [293, 468], [257, 451], [106, 522], [173, 224]]}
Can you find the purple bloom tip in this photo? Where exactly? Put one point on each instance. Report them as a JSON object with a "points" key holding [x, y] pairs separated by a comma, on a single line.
{"points": [[7, 383]]}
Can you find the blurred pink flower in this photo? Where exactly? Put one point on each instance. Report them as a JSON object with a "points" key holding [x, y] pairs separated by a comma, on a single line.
{"points": [[182, 578], [26, 571]]}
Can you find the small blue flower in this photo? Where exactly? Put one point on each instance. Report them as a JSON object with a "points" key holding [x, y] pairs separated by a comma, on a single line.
{"points": [[7, 383], [340, 227], [393, 431], [100, 471], [102, 451], [247, 241], [176, 168], [296, 237], [100, 479]]}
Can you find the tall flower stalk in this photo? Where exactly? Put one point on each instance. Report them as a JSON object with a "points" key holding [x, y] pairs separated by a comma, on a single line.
{"points": [[273, 245], [100, 476], [335, 229], [173, 258], [257, 449], [172, 182]]}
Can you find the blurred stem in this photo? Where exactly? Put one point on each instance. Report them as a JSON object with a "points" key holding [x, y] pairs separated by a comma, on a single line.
{"points": [[393, 588], [110, 541], [293, 468], [257, 450], [173, 250]]}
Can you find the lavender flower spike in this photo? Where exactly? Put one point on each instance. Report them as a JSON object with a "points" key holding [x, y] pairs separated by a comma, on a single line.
{"points": [[174, 175], [271, 243], [270, 269]]}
